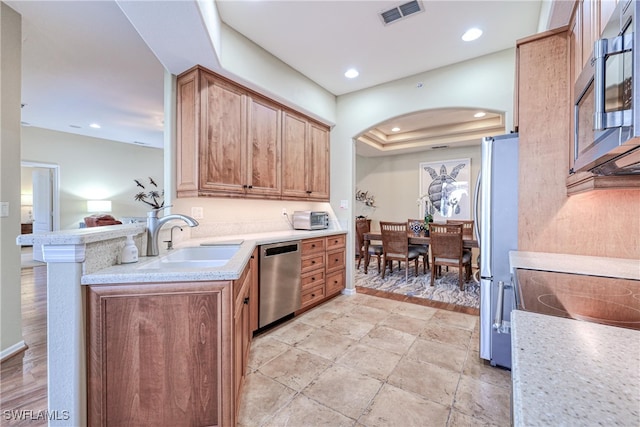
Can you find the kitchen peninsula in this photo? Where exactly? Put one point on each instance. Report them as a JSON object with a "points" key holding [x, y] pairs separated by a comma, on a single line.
{"points": [[89, 257]]}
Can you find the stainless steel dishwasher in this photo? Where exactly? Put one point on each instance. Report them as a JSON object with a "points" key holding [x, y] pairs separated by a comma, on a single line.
{"points": [[279, 281]]}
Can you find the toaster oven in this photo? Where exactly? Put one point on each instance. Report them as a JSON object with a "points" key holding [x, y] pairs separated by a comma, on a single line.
{"points": [[310, 220]]}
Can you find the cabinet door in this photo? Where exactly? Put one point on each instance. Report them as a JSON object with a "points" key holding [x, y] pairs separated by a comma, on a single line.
{"points": [[223, 153], [264, 145], [157, 354], [188, 119], [318, 162], [242, 334], [294, 162]]}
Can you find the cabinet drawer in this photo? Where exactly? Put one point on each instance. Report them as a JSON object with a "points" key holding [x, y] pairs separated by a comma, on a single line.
{"points": [[312, 245], [335, 260], [312, 279], [335, 242], [312, 295], [312, 262], [335, 282]]}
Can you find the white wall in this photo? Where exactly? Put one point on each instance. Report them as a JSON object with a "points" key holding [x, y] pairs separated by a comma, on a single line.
{"points": [[247, 60], [94, 169], [10, 83]]}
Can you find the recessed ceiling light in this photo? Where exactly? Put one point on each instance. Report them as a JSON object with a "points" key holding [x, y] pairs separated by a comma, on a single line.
{"points": [[94, 125], [471, 34], [395, 129], [351, 73], [479, 114]]}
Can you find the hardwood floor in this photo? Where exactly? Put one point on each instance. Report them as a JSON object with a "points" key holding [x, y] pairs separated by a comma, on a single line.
{"points": [[419, 301], [23, 377]]}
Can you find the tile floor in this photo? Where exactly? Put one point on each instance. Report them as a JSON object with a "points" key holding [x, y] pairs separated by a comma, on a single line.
{"points": [[363, 360]]}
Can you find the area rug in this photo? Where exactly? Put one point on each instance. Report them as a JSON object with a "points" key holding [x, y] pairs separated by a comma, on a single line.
{"points": [[445, 288]]}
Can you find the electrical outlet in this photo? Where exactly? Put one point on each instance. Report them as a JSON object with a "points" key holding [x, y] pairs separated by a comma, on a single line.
{"points": [[4, 209], [284, 211], [197, 212]]}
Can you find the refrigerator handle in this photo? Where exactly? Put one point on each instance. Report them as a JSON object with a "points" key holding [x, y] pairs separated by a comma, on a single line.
{"points": [[499, 325], [476, 207]]}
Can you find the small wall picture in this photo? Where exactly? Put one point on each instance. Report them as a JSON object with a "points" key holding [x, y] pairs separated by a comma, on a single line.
{"points": [[444, 189]]}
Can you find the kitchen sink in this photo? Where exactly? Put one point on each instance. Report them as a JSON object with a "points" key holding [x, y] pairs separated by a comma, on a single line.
{"points": [[194, 257]]}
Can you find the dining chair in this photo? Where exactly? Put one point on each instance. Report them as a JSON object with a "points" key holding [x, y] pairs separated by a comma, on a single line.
{"points": [[467, 227], [363, 225], [423, 249], [447, 250], [395, 247]]}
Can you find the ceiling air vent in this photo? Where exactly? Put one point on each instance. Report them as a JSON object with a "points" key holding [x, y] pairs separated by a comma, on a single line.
{"points": [[399, 12]]}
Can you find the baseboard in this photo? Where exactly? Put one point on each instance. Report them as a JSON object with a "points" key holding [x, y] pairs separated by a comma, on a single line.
{"points": [[349, 291], [13, 350]]}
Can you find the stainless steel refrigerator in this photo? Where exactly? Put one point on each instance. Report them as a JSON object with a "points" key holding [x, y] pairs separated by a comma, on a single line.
{"points": [[496, 218]]}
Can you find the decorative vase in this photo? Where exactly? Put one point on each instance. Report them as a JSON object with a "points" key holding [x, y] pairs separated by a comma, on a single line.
{"points": [[416, 227]]}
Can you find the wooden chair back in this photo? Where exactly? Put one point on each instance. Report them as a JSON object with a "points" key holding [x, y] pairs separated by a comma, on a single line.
{"points": [[395, 246], [446, 241], [363, 225], [395, 240], [447, 250], [467, 227]]}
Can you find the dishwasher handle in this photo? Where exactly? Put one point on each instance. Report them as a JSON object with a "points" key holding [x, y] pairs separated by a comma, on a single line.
{"points": [[280, 250]]}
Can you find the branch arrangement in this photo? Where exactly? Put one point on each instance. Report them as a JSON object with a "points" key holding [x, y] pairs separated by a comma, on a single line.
{"points": [[153, 198]]}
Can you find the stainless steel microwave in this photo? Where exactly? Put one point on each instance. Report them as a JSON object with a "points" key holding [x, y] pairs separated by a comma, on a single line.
{"points": [[606, 138]]}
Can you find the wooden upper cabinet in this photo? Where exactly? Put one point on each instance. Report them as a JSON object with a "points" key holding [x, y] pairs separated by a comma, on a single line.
{"points": [[264, 145], [188, 134], [235, 142], [318, 162], [223, 151], [588, 21], [305, 158], [294, 137]]}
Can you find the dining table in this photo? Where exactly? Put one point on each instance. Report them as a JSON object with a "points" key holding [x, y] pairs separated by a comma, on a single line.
{"points": [[414, 239]]}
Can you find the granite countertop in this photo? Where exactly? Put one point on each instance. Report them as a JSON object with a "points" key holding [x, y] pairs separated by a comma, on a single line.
{"points": [[568, 372], [623, 268], [139, 273]]}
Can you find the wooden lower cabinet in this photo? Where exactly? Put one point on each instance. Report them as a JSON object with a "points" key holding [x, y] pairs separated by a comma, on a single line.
{"points": [[168, 354], [323, 269], [242, 327]]}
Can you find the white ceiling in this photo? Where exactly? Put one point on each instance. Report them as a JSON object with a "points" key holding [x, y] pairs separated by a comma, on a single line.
{"points": [[86, 62]]}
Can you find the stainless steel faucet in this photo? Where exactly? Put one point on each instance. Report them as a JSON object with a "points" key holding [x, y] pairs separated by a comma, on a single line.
{"points": [[170, 241], [154, 224]]}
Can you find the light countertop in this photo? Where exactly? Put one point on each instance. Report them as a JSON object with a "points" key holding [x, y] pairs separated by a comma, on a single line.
{"points": [[577, 264], [572, 373], [138, 273]]}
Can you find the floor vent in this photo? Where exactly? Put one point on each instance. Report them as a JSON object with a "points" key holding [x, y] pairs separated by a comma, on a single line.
{"points": [[400, 12]]}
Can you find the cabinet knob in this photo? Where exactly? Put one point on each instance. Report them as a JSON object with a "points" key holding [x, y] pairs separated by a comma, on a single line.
{"points": [[246, 300], [308, 192]]}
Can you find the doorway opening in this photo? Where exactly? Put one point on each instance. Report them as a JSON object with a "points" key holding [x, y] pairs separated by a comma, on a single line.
{"points": [[40, 200]]}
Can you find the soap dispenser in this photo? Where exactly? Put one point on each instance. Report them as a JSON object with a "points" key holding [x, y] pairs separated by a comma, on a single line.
{"points": [[129, 252]]}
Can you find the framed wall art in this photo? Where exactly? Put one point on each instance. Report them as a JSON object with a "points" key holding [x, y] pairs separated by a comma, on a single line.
{"points": [[445, 189]]}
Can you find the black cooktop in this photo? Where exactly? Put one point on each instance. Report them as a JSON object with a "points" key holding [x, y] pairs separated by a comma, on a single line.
{"points": [[606, 300]]}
